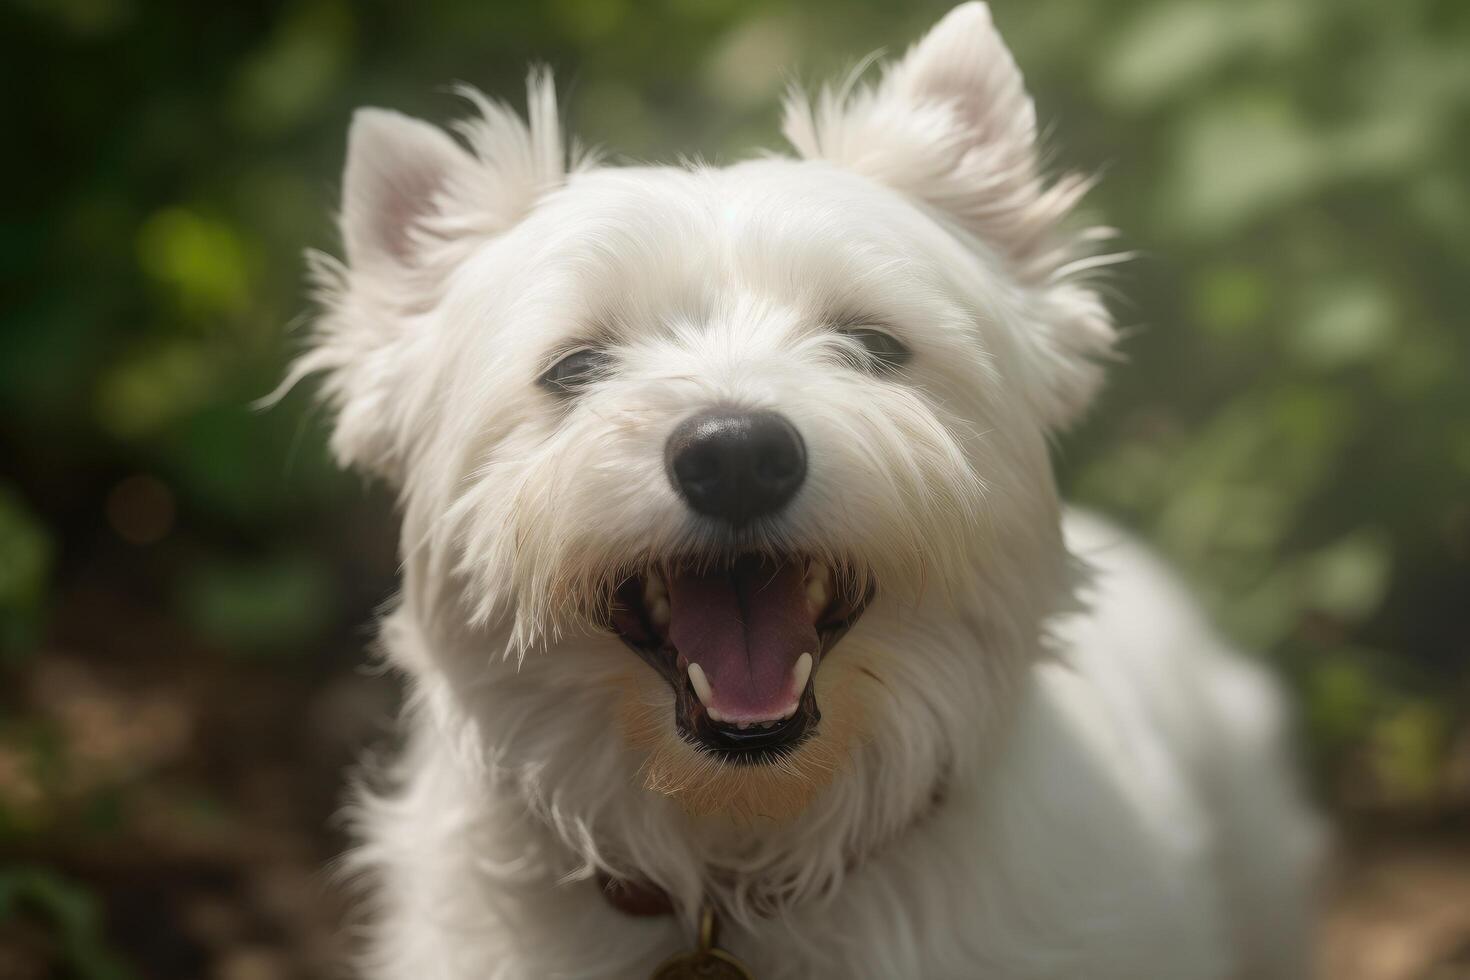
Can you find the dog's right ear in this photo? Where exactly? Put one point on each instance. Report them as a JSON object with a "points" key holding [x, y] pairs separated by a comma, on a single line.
{"points": [[410, 191], [415, 203], [400, 172]]}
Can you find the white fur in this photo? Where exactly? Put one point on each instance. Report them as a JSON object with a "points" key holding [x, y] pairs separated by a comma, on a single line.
{"points": [[1110, 797]]}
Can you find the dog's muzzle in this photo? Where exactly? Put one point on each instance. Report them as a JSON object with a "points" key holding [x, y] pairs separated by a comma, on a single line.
{"points": [[739, 636], [739, 642]]}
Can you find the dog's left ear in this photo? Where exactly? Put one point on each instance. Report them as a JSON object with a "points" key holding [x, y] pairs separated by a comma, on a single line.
{"points": [[951, 126]]}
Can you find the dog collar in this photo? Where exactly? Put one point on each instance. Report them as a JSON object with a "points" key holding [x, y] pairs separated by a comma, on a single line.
{"points": [[640, 899], [708, 961], [643, 899]]}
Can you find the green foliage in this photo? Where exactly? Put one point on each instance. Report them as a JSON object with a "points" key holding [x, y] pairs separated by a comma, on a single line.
{"points": [[274, 604], [1292, 426], [1287, 429], [25, 561], [67, 910]]}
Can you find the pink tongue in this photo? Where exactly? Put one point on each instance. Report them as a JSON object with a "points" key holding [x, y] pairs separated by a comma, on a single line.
{"points": [[745, 627]]}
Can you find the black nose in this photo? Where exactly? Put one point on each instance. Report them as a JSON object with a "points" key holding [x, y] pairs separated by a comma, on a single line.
{"points": [[736, 465]]}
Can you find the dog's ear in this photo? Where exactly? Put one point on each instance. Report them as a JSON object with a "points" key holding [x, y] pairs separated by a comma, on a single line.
{"points": [[411, 193], [399, 173], [415, 203], [951, 126]]}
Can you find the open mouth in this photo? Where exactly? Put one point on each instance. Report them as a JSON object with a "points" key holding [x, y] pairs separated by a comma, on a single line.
{"points": [[740, 643]]}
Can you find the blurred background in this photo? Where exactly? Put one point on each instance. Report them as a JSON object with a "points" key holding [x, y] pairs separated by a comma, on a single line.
{"points": [[186, 586]]}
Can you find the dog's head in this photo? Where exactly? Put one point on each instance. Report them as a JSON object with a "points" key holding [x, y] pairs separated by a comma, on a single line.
{"points": [[745, 464]]}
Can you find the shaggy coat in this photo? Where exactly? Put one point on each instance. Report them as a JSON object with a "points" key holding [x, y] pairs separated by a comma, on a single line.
{"points": [[1034, 759]]}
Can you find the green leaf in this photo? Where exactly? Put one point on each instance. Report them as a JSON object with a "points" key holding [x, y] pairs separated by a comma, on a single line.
{"points": [[71, 911], [277, 604], [25, 566]]}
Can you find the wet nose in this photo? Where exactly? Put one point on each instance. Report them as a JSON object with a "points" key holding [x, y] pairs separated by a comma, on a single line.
{"points": [[736, 465]]}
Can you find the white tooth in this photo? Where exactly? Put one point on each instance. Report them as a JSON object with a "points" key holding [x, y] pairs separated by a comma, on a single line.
{"points": [[816, 595], [803, 672], [743, 725], [714, 715], [700, 684], [791, 710], [654, 588], [658, 612]]}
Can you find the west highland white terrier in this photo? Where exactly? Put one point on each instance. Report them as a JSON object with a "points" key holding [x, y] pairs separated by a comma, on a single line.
{"points": [[737, 597]]}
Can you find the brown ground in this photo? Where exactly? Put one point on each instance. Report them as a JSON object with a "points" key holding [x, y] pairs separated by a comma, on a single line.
{"points": [[1400, 910]]}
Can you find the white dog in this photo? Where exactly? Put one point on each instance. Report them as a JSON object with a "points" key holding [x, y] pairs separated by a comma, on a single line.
{"points": [[735, 577]]}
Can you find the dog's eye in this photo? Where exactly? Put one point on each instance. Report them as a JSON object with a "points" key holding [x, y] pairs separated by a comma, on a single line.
{"points": [[885, 351], [575, 371]]}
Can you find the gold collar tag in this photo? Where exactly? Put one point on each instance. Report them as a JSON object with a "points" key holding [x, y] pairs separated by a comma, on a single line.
{"points": [[707, 962]]}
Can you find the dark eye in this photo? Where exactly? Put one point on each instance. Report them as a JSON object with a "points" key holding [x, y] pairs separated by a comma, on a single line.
{"points": [[576, 371], [885, 351]]}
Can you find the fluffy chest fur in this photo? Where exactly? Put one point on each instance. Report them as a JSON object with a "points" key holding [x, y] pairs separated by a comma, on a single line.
{"points": [[1134, 820]]}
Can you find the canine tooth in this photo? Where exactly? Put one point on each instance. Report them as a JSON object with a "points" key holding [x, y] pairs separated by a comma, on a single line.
{"points": [[658, 611], [700, 684], [654, 587], [803, 672], [816, 594]]}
